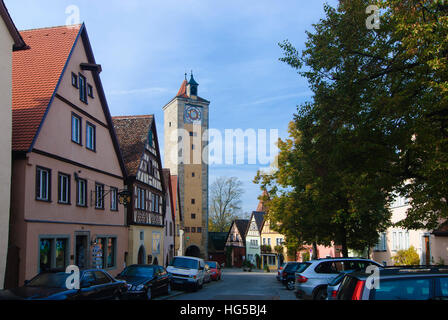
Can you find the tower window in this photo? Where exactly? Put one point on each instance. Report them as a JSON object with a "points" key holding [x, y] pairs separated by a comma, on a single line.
{"points": [[194, 90], [193, 216], [192, 174], [193, 201]]}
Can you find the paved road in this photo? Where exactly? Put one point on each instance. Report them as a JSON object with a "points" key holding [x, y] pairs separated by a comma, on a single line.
{"points": [[239, 285]]}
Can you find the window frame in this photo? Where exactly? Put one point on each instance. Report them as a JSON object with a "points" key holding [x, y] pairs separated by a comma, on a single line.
{"points": [[82, 86], [68, 189], [90, 125], [78, 204], [90, 90], [74, 115], [113, 198], [75, 80], [39, 184], [98, 184]]}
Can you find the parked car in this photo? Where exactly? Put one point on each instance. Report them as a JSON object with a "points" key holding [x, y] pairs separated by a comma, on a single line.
{"points": [[289, 274], [313, 279], [95, 284], [215, 270], [403, 283], [333, 286], [281, 269], [187, 272], [146, 281]]}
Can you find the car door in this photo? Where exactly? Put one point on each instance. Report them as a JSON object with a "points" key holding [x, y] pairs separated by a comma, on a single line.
{"points": [[201, 271], [88, 288], [164, 279], [104, 286]]}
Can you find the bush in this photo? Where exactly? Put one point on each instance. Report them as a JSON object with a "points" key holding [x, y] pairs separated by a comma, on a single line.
{"points": [[406, 257]]}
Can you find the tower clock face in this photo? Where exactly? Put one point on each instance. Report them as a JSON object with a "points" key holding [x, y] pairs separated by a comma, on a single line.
{"points": [[193, 114]]}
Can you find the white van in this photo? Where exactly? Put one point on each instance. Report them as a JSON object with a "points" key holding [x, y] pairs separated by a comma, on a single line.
{"points": [[187, 272]]}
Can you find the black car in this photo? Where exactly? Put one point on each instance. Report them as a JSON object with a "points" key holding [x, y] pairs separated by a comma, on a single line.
{"points": [[288, 277], [146, 281], [95, 284]]}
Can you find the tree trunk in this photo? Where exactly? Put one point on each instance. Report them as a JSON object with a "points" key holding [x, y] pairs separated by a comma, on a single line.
{"points": [[344, 248], [315, 256]]}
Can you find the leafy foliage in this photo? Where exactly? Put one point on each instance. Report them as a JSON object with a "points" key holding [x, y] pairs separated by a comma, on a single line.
{"points": [[406, 257]]}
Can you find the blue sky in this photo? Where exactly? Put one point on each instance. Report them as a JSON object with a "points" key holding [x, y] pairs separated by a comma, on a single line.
{"points": [[145, 47]]}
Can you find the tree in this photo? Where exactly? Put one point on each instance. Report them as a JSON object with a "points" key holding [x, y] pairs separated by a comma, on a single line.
{"points": [[225, 201], [336, 171], [421, 28]]}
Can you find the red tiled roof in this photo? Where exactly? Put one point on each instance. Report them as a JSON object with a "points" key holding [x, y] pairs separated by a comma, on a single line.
{"points": [[182, 93], [183, 90], [35, 75], [132, 133]]}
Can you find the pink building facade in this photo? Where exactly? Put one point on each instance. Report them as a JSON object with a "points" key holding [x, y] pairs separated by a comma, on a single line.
{"points": [[67, 168]]}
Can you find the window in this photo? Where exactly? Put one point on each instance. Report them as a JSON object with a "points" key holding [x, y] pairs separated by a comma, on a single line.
{"points": [[443, 285], [279, 241], [76, 129], [150, 168], [193, 201], [113, 199], [403, 289], [141, 201], [199, 230], [171, 229], [63, 188], [82, 88], [81, 192], [187, 229], [53, 253], [193, 216], [74, 80], [43, 184], [99, 196], [101, 278], [381, 245], [269, 241], [271, 260], [105, 249], [90, 91], [264, 241], [193, 229], [156, 242], [192, 174], [90, 136]]}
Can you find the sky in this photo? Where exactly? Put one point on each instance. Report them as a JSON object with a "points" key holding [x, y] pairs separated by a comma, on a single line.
{"points": [[146, 47]]}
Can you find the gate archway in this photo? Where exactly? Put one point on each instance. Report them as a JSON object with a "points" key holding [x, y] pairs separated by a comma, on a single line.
{"points": [[193, 251]]}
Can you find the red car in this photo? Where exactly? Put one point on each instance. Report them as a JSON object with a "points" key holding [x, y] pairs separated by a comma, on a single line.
{"points": [[215, 270]]}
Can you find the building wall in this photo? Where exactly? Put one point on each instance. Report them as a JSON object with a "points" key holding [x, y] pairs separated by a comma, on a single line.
{"points": [[168, 243], [33, 219], [6, 43], [148, 243], [415, 238]]}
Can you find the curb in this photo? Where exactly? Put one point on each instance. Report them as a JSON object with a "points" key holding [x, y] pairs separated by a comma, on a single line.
{"points": [[172, 295]]}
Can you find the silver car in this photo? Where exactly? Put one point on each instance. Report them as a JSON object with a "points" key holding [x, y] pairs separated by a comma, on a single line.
{"points": [[313, 280]]}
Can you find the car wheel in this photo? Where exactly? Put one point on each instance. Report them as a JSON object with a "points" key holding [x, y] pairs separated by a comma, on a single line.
{"points": [[321, 294], [149, 294], [290, 285]]}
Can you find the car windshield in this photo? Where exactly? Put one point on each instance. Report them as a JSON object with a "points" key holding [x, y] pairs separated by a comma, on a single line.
{"points": [[291, 267], [138, 271], [49, 280], [212, 264], [185, 263]]}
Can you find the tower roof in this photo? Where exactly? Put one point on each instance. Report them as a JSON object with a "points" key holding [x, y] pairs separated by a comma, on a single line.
{"points": [[182, 93], [261, 207], [192, 81]]}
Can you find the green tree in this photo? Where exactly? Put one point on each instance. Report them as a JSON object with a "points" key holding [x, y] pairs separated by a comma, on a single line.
{"points": [[336, 171]]}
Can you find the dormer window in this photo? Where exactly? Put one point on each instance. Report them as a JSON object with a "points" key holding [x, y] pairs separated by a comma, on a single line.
{"points": [[194, 90]]}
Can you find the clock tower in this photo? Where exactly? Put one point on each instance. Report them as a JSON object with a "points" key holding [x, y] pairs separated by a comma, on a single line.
{"points": [[186, 121]]}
